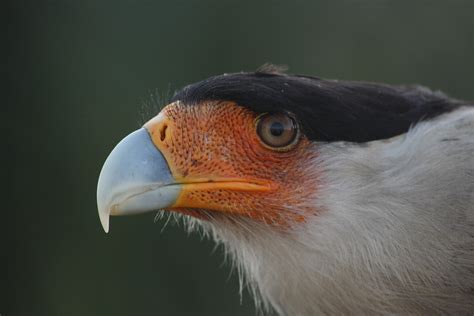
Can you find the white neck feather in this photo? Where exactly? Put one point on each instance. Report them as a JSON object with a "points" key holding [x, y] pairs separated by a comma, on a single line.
{"points": [[395, 234]]}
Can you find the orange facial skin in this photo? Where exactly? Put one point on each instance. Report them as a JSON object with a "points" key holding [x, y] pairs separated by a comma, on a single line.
{"points": [[213, 149]]}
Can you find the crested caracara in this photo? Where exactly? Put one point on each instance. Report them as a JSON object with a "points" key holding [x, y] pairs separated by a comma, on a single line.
{"points": [[333, 197]]}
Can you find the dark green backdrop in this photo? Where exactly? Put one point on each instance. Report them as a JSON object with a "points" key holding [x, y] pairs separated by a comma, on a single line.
{"points": [[78, 73]]}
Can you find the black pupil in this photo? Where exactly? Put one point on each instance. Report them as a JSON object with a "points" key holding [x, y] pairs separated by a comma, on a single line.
{"points": [[276, 129]]}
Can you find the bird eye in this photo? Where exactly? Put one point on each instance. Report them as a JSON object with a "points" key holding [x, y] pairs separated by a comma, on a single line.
{"points": [[277, 130]]}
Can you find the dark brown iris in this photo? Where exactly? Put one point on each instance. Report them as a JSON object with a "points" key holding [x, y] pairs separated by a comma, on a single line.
{"points": [[277, 130]]}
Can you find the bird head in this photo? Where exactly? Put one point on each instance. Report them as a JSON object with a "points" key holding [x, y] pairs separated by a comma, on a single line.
{"points": [[294, 175], [245, 145], [213, 158]]}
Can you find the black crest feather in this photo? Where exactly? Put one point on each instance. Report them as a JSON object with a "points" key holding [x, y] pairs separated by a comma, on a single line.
{"points": [[327, 110]]}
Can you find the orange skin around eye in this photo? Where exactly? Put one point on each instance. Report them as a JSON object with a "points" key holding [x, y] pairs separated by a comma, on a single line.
{"points": [[213, 149]]}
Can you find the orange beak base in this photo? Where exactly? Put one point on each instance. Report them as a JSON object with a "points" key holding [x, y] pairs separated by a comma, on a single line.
{"points": [[213, 150]]}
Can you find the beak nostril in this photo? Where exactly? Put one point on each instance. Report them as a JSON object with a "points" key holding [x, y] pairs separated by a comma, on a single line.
{"points": [[163, 132]]}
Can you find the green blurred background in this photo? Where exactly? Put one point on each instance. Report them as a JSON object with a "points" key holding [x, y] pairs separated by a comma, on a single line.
{"points": [[78, 75]]}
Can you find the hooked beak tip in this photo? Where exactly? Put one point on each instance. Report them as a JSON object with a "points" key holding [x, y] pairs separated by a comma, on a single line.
{"points": [[104, 220]]}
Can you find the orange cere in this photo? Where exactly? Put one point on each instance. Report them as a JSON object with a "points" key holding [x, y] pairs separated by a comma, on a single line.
{"points": [[213, 149]]}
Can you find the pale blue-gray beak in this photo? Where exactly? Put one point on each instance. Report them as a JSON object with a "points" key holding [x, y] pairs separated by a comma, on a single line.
{"points": [[135, 178]]}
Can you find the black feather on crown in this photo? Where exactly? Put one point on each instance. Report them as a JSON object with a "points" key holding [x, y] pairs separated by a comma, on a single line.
{"points": [[327, 110]]}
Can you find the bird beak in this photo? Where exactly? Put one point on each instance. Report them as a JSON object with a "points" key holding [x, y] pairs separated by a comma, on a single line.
{"points": [[135, 179]]}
